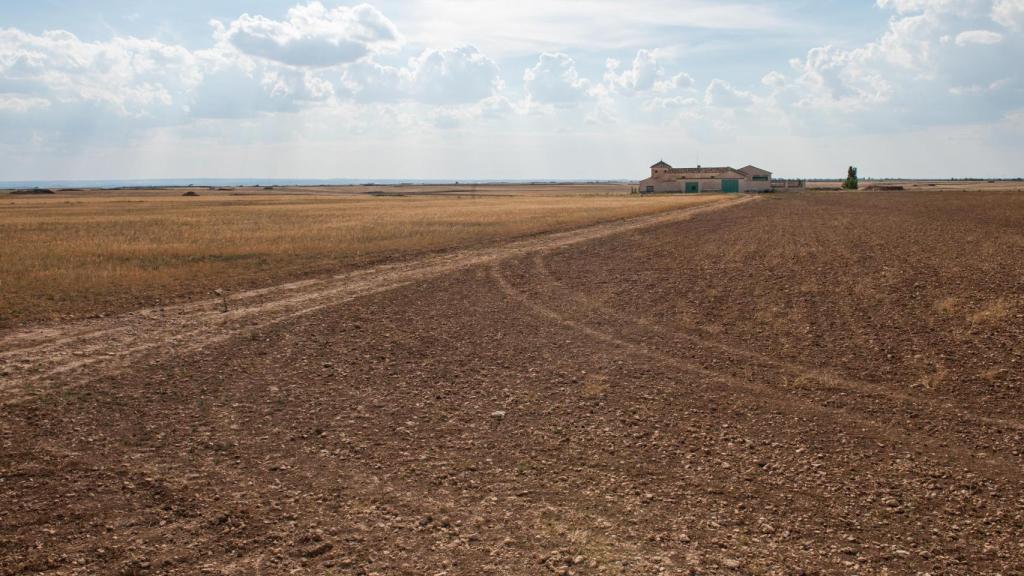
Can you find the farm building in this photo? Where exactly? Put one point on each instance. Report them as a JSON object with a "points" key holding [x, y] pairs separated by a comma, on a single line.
{"points": [[665, 178]]}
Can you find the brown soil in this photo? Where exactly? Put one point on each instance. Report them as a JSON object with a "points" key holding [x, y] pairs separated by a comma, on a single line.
{"points": [[804, 383]]}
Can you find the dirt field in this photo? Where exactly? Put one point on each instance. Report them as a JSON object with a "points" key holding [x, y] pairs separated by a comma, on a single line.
{"points": [[816, 383], [80, 253], [926, 185]]}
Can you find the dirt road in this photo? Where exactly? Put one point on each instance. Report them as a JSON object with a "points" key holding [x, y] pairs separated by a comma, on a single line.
{"points": [[814, 383]]}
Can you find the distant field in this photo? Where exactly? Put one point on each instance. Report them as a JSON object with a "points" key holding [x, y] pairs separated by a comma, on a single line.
{"points": [[930, 185], [79, 253]]}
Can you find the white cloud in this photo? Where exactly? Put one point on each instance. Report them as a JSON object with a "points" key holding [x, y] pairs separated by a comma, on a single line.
{"points": [[1014, 120], [233, 92], [601, 114], [907, 43], [20, 104], [975, 89], [130, 75], [462, 74], [917, 72], [978, 37], [1009, 13], [334, 73], [774, 79], [496, 106], [491, 108], [721, 94], [555, 80], [670, 103], [831, 78], [146, 81], [641, 76], [644, 75], [946, 6], [452, 76], [525, 27], [313, 35], [680, 81], [167, 84]]}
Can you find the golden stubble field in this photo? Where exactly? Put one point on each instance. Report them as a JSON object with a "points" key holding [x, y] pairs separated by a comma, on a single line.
{"points": [[85, 253]]}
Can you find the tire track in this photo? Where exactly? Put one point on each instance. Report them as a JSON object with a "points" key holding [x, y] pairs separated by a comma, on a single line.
{"points": [[796, 370], [797, 406], [38, 360]]}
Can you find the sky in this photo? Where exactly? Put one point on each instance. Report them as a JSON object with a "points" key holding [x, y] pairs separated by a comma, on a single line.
{"points": [[492, 89]]}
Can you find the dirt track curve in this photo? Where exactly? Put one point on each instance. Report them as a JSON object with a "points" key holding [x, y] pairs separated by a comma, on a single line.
{"points": [[803, 384]]}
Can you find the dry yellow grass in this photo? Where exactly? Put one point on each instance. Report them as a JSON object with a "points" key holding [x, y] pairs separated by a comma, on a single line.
{"points": [[80, 254]]}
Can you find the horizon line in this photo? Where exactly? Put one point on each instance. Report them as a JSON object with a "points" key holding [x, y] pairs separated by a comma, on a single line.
{"points": [[256, 181]]}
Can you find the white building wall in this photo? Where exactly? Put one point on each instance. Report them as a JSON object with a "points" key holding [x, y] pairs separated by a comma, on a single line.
{"points": [[704, 185], [751, 185], [662, 186], [663, 181], [710, 185]]}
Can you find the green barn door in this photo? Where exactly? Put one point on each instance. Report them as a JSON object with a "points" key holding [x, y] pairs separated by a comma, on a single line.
{"points": [[692, 187], [730, 185]]}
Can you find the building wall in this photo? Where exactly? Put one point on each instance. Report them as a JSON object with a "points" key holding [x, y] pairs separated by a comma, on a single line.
{"points": [[751, 185], [663, 186], [710, 185], [755, 171]]}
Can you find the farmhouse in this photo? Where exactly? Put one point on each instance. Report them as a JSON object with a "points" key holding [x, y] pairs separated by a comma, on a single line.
{"points": [[665, 178]]}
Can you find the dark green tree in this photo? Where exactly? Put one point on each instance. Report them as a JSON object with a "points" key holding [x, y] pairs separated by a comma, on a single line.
{"points": [[851, 182]]}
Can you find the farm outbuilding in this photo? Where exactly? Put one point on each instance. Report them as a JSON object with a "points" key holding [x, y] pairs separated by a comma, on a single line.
{"points": [[665, 178]]}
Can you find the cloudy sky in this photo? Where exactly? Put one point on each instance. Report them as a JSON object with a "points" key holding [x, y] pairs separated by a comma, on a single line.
{"points": [[492, 89]]}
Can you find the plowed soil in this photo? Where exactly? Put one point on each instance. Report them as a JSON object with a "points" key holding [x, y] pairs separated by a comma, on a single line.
{"points": [[819, 383]]}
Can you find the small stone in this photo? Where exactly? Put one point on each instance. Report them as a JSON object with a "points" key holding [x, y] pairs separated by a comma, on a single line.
{"points": [[498, 414], [731, 563], [318, 551]]}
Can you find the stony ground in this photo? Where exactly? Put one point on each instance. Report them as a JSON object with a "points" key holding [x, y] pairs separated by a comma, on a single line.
{"points": [[815, 383]]}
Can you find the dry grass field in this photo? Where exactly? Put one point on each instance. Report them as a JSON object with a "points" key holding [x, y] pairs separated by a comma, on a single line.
{"points": [[101, 252]]}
